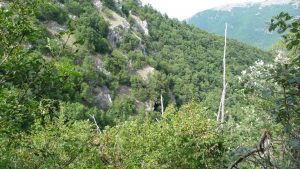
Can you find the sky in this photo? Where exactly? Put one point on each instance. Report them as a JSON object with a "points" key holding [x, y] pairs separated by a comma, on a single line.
{"points": [[183, 9]]}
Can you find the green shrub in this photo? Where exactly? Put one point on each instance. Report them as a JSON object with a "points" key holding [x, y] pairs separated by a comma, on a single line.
{"points": [[187, 139], [116, 63], [56, 143], [129, 5], [92, 30], [129, 42], [137, 58], [122, 109], [74, 7], [51, 12], [110, 4], [92, 74]]}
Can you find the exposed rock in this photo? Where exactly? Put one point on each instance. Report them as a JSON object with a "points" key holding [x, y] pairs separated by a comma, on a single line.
{"points": [[146, 72], [54, 28], [114, 38], [124, 90], [97, 4], [103, 97], [148, 105], [100, 66], [115, 20], [140, 45], [125, 24], [142, 24]]}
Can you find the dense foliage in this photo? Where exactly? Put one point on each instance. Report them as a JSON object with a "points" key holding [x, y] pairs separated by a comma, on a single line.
{"points": [[186, 138]]}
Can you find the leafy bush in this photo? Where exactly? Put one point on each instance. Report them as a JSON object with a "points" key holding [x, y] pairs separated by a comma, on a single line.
{"points": [[122, 109], [186, 139], [137, 58], [92, 30], [92, 74], [129, 42], [74, 7], [51, 12], [129, 5], [116, 62], [53, 143], [110, 4]]}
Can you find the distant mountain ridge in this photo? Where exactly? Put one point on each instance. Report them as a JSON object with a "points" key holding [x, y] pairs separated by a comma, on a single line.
{"points": [[263, 4], [247, 22]]}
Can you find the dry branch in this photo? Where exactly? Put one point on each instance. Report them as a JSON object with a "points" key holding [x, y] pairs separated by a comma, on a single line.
{"points": [[262, 147], [162, 104], [94, 119], [221, 112]]}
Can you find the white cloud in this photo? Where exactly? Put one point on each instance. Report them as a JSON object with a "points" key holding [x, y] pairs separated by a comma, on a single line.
{"points": [[183, 9]]}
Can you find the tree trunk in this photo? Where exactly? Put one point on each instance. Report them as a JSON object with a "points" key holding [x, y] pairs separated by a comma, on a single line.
{"points": [[162, 104], [221, 112]]}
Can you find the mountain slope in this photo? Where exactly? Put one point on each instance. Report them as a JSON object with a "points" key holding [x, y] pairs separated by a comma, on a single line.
{"points": [[247, 22], [127, 55], [83, 82]]}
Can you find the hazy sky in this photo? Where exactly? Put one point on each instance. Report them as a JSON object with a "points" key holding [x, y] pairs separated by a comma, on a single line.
{"points": [[183, 9]]}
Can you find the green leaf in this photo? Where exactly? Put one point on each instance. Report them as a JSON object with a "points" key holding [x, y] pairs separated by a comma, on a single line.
{"points": [[295, 143]]}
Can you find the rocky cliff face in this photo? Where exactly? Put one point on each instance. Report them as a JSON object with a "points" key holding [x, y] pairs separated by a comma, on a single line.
{"points": [[103, 97], [119, 25], [114, 38], [143, 25]]}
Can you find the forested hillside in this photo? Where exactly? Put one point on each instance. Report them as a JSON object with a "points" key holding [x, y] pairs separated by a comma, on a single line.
{"points": [[114, 84], [248, 22]]}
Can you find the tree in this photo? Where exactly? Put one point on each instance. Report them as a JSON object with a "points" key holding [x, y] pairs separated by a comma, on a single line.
{"points": [[153, 145], [275, 88], [110, 4], [49, 11], [92, 30], [55, 142], [122, 109], [221, 112]]}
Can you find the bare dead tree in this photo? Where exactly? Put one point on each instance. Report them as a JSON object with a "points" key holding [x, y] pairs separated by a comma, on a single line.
{"points": [[221, 111], [95, 122], [162, 104]]}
